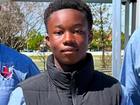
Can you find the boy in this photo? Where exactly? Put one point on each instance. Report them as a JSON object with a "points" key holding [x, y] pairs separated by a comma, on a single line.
{"points": [[70, 78], [14, 68]]}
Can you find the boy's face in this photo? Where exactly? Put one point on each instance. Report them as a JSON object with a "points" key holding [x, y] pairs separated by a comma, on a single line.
{"points": [[68, 35]]}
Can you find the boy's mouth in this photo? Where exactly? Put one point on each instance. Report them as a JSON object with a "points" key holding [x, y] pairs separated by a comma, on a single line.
{"points": [[69, 50]]}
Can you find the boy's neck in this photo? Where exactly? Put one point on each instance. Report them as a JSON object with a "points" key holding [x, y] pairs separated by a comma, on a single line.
{"points": [[66, 67]]}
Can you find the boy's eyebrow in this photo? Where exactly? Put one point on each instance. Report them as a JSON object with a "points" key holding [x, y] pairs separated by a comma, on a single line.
{"points": [[75, 25], [59, 26], [78, 25]]}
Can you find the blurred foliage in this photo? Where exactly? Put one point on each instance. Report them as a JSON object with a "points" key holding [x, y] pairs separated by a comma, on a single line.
{"points": [[96, 41], [35, 39]]}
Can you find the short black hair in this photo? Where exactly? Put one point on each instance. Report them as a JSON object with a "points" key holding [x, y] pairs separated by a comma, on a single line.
{"points": [[72, 4]]}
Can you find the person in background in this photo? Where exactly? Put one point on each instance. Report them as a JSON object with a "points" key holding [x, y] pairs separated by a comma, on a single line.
{"points": [[130, 75], [70, 78], [14, 68]]}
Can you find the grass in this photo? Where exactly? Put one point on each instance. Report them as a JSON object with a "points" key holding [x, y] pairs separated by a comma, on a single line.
{"points": [[99, 65], [40, 61]]}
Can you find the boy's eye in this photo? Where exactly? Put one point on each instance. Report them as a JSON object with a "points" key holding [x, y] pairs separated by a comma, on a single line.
{"points": [[58, 33], [78, 31]]}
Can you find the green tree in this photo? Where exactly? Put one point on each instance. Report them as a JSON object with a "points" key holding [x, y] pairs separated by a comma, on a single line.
{"points": [[101, 20], [95, 43], [34, 40]]}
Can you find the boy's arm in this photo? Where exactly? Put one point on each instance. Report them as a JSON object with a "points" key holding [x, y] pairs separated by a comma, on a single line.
{"points": [[17, 97], [129, 75]]}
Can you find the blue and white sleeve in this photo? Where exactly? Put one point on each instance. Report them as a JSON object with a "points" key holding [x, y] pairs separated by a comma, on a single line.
{"points": [[17, 97]]}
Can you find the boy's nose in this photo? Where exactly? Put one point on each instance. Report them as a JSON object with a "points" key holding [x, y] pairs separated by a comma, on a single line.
{"points": [[69, 39], [68, 36]]}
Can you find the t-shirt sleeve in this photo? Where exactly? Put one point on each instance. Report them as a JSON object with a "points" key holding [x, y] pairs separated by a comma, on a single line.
{"points": [[16, 97]]}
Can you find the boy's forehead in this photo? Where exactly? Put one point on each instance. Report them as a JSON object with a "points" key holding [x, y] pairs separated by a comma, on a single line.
{"points": [[77, 5], [63, 9], [67, 19], [67, 14]]}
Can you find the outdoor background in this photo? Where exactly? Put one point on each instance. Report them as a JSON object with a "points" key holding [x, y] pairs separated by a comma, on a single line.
{"points": [[22, 28]]}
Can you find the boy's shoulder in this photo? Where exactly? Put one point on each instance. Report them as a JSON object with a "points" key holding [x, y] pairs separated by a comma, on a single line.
{"points": [[103, 81], [35, 82]]}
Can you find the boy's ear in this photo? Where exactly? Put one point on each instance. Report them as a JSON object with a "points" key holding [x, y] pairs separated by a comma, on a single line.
{"points": [[47, 41], [90, 37]]}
